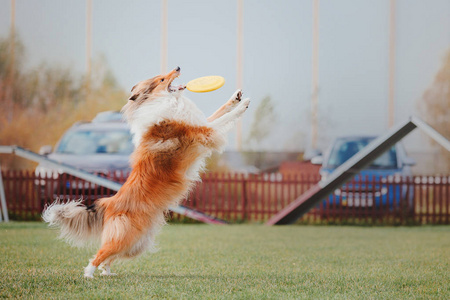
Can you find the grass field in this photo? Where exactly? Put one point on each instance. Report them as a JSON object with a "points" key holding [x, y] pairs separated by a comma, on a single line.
{"points": [[239, 261]]}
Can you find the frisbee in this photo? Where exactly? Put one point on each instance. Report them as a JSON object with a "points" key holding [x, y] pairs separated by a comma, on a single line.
{"points": [[205, 84]]}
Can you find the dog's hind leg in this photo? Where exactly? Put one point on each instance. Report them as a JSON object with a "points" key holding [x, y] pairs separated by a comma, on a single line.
{"points": [[118, 237], [105, 254], [106, 268]]}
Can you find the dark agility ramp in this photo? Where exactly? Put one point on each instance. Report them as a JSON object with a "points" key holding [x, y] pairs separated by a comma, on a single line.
{"points": [[350, 168]]}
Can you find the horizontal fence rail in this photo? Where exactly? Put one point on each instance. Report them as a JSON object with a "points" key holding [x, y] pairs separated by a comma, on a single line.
{"points": [[255, 198], [93, 178]]}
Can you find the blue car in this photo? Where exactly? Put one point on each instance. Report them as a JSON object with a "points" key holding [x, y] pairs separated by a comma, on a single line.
{"points": [[377, 185]]}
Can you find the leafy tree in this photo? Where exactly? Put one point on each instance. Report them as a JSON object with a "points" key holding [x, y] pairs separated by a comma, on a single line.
{"points": [[38, 106], [435, 107], [262, 124]]}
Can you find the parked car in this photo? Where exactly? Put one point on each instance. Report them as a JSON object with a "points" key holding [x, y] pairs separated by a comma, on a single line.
{"points": [[374, 185], [101, 146]]}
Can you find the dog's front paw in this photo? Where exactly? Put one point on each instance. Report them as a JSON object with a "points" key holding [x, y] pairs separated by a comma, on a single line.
{"points": [[238, 95], [243, 106], [236, 98], [246, 102]]}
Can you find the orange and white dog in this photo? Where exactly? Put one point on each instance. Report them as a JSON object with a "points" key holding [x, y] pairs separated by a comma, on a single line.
{"points": [[172, 139]]}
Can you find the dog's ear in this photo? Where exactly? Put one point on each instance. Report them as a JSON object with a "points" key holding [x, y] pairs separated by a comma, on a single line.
{"points": [[151, 87], [134, 95], [145, 88]]}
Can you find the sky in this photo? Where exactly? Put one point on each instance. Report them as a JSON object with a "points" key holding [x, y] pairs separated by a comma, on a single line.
{"points": [[277, 62]]}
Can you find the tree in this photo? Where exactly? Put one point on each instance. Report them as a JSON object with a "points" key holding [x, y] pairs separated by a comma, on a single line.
{"points": [[39, 105], [264, 119], [262, 124], [435, 107]]}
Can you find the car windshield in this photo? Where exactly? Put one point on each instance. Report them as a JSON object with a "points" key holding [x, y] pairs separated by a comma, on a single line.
{"points": [[344, 149], [96, 142]]}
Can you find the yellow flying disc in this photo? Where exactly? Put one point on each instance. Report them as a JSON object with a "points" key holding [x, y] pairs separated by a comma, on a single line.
{"points": [[205, 84]]}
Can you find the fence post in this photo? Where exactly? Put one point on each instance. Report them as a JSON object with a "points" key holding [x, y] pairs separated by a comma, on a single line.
{"points": [[3, 199], [244, 198]]}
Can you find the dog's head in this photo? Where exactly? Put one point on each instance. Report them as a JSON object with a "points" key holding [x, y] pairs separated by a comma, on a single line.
{"points": [[157, 99], [156, 87]]}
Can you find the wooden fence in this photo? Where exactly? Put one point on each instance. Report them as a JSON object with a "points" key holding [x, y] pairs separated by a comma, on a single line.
{"points": [[255, 198]]}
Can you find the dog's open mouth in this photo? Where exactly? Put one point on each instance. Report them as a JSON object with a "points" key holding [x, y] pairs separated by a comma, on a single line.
{"points": [[175, 87]]}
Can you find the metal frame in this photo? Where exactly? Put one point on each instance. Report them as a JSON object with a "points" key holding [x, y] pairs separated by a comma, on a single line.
{"points": [[182, 210], [3, 200], [351, 167]]}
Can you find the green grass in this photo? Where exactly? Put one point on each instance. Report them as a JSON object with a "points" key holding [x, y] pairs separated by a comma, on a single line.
{"points": [[238, 261]]}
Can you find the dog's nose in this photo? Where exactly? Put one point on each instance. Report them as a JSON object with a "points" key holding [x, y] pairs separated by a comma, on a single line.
{"points": [[177, 69]]}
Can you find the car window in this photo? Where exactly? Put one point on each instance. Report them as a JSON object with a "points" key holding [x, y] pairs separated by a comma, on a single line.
{"points": [[345, 149], [96, 142]]}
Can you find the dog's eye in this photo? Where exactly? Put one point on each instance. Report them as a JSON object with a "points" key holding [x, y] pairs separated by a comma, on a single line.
{"points": [[162, 80]]}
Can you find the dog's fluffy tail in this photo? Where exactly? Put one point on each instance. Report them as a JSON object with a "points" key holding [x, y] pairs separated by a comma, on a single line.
{"points": [[80, 225]]}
